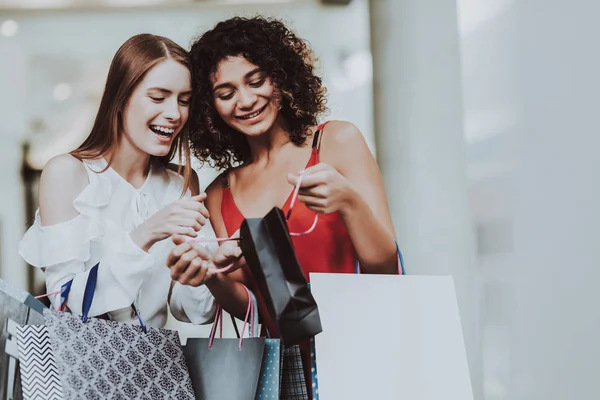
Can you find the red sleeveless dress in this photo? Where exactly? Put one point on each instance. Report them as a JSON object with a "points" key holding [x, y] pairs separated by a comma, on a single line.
{"points": [[327, 248]]}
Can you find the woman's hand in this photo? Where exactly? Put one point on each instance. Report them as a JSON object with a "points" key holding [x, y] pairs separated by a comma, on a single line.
{"points": [[229, 253], [182, 217], [324, 189], [190, 263]]}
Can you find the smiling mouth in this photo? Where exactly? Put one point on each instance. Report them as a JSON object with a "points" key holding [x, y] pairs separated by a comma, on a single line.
{"points": [[162, 131], [254, 114]]}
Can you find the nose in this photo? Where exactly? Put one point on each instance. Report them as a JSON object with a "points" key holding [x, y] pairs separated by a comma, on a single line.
{"points": [[246, 99], [172, 111]]}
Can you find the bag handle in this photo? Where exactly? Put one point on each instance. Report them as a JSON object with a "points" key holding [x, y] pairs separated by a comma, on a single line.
{"points": [[88, 296], [250, 317]]}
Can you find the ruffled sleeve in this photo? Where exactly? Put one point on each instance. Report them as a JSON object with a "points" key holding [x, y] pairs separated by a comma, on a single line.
{"points": [[70, 249], [192, 304], [195, 304]]}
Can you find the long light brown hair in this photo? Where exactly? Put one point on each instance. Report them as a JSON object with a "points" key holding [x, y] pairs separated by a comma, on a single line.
{"points": [[129, 66]]}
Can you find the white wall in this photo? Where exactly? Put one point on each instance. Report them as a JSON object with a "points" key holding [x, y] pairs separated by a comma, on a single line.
{"points": [[556, 316], [530, 72]]}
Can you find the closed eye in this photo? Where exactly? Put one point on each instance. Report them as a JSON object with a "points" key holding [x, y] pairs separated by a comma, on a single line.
{"points": [[258, 83], [226, 96]]}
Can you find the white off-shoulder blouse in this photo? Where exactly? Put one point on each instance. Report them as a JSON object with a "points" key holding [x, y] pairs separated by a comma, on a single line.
{"points": [[109, 208]]}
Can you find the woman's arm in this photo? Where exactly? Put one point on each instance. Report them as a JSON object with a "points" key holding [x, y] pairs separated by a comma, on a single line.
{"points": [[227, 288], [189, 263], [348, 181]]}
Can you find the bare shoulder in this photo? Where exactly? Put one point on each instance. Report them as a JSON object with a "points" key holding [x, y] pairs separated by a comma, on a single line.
{"points": [[62, 179], [66, 172], [214, 192], [341, 143], [341, 133]]}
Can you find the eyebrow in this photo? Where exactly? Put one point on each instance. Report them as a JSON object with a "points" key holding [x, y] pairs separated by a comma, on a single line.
{"points": [[229, 84], [166, 91]]}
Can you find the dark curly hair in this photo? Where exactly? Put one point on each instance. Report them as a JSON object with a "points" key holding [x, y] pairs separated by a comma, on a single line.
{"points": [[283, 56]]}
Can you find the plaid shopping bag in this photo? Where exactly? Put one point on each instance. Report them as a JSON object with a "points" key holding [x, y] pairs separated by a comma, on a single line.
{"points": [[293, 383]]}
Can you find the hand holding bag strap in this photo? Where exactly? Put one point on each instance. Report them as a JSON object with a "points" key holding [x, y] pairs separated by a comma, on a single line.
{"points": [[88, 296]]}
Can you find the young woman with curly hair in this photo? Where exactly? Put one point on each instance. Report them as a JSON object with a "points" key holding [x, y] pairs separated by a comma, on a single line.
{"points": [[255, 110]]}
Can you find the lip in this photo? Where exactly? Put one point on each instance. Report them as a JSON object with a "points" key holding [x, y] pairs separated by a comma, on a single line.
{"points": [[161, 138], [259, 111]]}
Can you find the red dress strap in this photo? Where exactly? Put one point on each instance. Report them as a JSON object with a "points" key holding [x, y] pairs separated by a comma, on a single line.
{"points": [[316, 144]]}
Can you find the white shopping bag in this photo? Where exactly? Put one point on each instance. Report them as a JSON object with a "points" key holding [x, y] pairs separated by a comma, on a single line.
{"points": [[389, 337]]}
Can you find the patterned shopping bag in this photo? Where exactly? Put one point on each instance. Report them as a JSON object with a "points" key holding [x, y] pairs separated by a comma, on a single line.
{"points": [[102, 359], [17, 307], [39, 372]]}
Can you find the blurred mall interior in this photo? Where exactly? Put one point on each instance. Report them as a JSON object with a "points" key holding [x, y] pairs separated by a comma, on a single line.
{"points": [[481, 116]]}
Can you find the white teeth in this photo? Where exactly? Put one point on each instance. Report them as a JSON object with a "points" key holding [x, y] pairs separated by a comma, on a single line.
{"points": [[163, 129], [252, 115]]}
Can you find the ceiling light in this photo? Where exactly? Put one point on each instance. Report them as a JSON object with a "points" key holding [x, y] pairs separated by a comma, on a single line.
{"points": [[62, 92], [9, 28]]}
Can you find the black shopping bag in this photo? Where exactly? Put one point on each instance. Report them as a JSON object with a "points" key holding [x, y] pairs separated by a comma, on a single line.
{"points": [[269, 252]]}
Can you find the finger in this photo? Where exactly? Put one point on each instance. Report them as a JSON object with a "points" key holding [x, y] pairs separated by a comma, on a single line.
{"points": [[199, 197], [316, 178], [178, 239], [184, 230], [238, 264], [190, 272], [204, 211], [189, 204], [201, 275], [319, 210], [314, 202], [176, 253], [201, 219], [316, 168], [182, 264], [201, 250], [192, 223], [319, 191], [227, 256], [191, 217]]}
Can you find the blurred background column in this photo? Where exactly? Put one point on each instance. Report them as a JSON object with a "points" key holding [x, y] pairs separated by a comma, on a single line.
{"points": [[555, 333], [420, 148], [12, 128]]}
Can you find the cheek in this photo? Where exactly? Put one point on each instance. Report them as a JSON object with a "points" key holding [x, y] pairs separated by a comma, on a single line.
{"points": [[185, 114], [224, 108]]}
